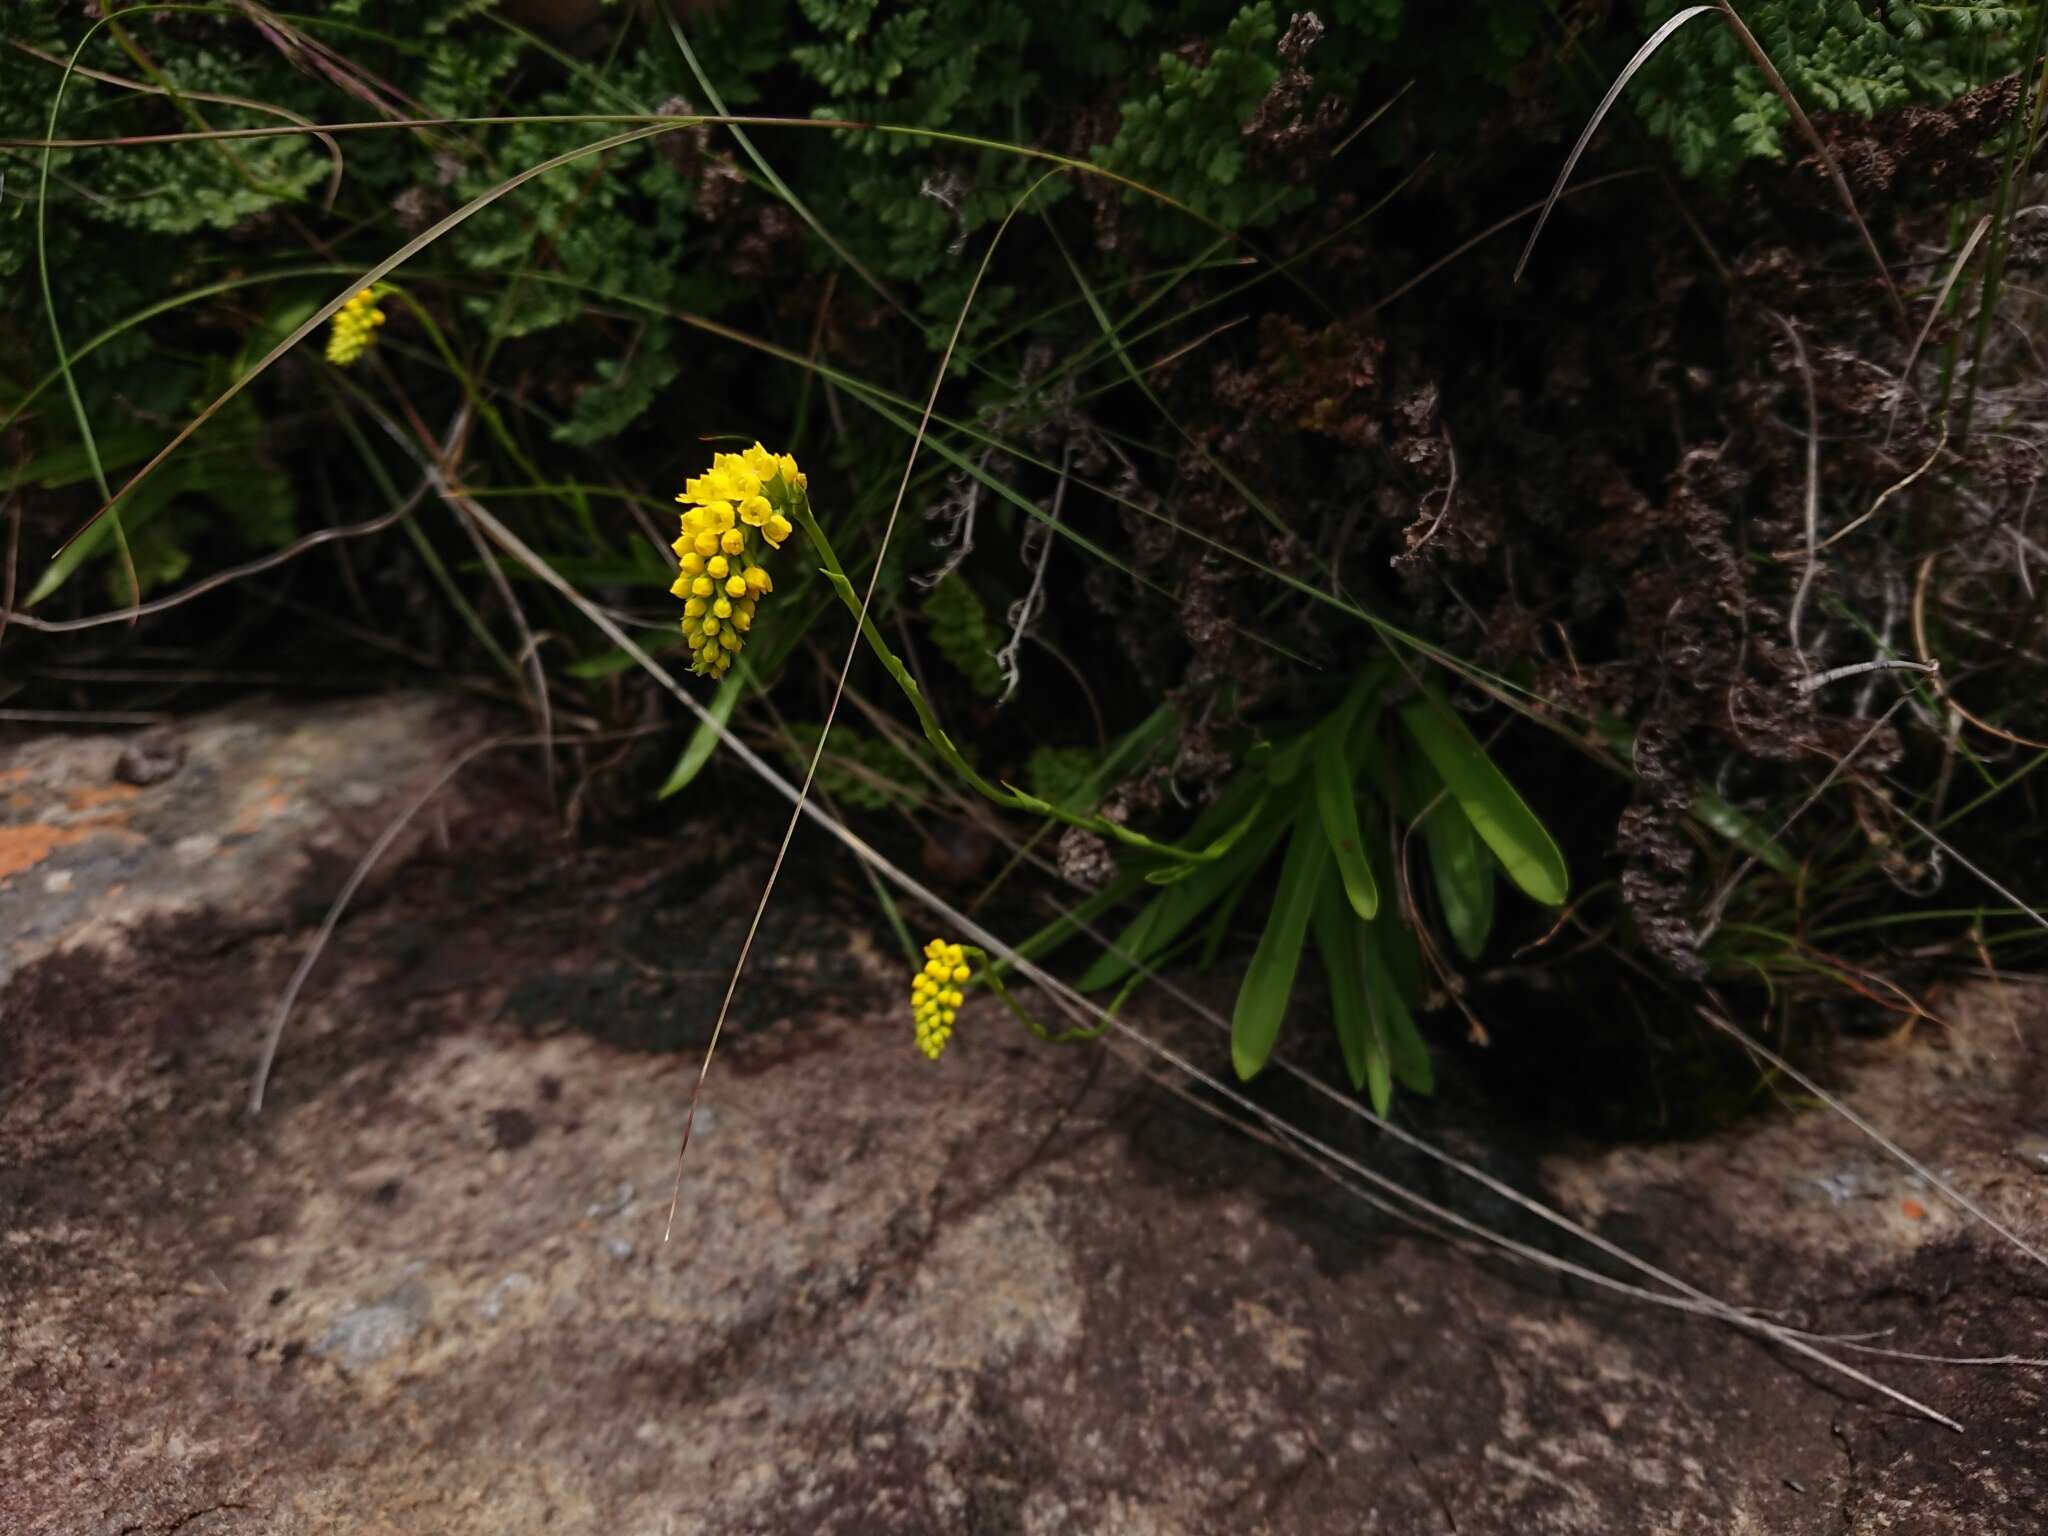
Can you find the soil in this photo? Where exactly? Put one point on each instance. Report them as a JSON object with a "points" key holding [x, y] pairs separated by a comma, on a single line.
{"points": [[1025, 1289]]}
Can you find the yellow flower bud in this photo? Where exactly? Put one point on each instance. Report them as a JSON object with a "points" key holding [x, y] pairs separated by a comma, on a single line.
{"points": [[739, 493]]}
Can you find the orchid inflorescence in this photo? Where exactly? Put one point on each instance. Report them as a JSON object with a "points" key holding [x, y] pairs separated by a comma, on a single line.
{"points": [[722, 581]]}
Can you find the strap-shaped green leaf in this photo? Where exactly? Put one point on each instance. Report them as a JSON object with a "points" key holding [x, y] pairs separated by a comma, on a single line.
{"points": [[1167, 874], [1262, 999], [1458, 860], [1168, 914], [1392, 1021], [704, 740], [1339, 812], [1340, 941], [1523, 845]]}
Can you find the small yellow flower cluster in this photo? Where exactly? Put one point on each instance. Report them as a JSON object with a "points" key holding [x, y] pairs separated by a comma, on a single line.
{"points": [[935, 994], [740, 495], [355, 327]]}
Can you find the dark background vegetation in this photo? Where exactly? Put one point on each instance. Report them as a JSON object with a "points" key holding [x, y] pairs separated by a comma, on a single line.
{"points": [[1296, 359]]}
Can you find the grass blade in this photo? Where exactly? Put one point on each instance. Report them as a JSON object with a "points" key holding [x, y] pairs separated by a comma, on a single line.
{"points": [[1820, 147], [1642, 57]]}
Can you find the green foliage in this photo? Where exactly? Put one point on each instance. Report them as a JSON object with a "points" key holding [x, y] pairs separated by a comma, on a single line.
{"points": [[1184, 139], [961, 629], [1059, 774], [624, 388], [856, 770], [570, 309], [1341, 847], [1704, 94]]}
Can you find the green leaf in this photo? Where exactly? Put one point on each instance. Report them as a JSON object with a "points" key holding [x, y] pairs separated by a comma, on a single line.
{"points": [[1717, 815], [1218, 926], [1339, 942], [704, 740], [1169, 873], [965, 636], [1521, 842], [1284, 763], [1458, 859], [1262, 999], [1392, 1021], [1338, 808], [133, 513], [72, 465], [613, 660], [1170, 912], [1708, 808]]}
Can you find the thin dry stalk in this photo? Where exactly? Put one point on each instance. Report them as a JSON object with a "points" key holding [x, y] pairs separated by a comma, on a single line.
{"points": [[220, 578], [1820, 148], [1933, 668], [1812, 498], [1899, 1154], [1628, 73], [1940, 303]]}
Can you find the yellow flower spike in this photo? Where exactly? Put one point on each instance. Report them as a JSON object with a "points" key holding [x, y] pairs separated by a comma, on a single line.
{"points": [[734, 514], [936, 995], [355, 327]]}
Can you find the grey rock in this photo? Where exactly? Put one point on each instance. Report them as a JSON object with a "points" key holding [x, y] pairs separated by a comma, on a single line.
{"points": [[370, 1333], [1021, 1290]]}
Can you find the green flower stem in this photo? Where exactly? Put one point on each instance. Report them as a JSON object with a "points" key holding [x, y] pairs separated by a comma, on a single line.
{"points": [[1005, 795], [985, 975]]}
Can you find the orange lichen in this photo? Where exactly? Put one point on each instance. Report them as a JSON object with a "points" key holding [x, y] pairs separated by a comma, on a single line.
{"points": [[25, 847], [95, 795]]}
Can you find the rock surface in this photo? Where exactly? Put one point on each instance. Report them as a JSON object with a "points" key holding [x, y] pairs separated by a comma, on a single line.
{"points": [[1025, 1290]]}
